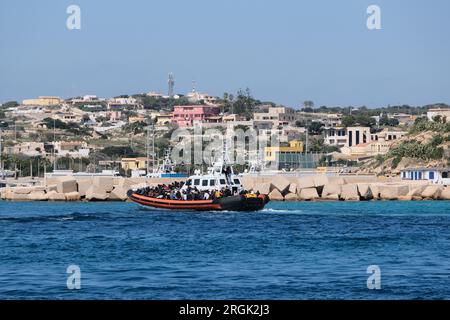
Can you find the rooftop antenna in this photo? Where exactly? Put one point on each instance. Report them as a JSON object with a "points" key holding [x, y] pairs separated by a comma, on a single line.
{"points": [[193, 86], [150, 146], [171, 83]]}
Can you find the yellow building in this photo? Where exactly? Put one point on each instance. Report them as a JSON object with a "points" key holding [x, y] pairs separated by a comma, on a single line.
{"points": [[42, 101], [274, 153], [133, 163], [134, 119]]}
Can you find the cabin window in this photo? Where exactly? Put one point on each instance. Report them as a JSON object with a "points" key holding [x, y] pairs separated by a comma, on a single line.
{"points": [[204, 183], [431, 175], [212, 182], [196, 182], [236, 181], [222, 181], [445, 175]]}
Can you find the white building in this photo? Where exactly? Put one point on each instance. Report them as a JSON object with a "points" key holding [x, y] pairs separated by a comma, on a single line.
{"points": [[443, 112], [73, 149], [436, 175], [347, 137], [276, 116]]}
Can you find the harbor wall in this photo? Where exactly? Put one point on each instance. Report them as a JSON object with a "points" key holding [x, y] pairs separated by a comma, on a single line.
{"points": [[317, 187]]}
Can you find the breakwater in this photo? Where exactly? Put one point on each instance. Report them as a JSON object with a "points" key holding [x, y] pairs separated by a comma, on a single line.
{"points": [[319, 187]]}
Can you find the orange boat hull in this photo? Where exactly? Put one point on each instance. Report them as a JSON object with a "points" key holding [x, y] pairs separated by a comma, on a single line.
{"points": [[235, 203]]}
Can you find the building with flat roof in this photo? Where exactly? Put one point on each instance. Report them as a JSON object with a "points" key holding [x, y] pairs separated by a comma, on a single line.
{"points": [[347, 137], [139, 163], [444, 113], [276, 116], [42, 101], [435, 175], [185, 116]]}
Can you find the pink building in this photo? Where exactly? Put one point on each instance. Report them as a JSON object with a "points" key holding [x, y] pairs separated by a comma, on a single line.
{"points": [[184, 116]]}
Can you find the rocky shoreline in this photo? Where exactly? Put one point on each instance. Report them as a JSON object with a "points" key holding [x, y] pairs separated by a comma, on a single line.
{"points": [[318, 187]]}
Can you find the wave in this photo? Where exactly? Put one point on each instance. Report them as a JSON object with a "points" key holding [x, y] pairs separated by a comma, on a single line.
{"points": [[75, 216]]}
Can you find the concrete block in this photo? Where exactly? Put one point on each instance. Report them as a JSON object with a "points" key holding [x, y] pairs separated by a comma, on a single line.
{"points": [[305, 182], [23, 190], [432, 192], [393, 192], [308, 194], [94, 194], [445, 194], [292, 188], [56, 196], [365, 191], [320, 180], [248, 182], [66, 185], [291, 197], [349, 192], [331, 188], [73, 196], [118, 194], [334, 197], [83, 185], [38, 196], [280, 183], [263, 188], [104, 183], [276, 195]]}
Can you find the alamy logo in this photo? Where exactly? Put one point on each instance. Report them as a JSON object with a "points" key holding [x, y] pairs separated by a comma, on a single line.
{"points": [[73, 21], [374, 280], [74, 278], [374, 19]]}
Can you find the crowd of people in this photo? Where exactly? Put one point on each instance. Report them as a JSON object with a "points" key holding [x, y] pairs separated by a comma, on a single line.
{"points": [[175, 191]]}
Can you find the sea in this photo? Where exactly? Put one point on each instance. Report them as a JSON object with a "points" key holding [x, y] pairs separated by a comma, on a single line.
{"points": [[289, 250]]}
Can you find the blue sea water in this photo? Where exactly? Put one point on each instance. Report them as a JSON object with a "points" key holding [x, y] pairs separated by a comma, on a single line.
{"points": [[287, 251]]}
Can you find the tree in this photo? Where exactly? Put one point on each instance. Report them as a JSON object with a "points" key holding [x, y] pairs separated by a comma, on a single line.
{"points": [[348, 121], [308, 104], [9, 104], [315, 128], [365, 120], [437, 118]]}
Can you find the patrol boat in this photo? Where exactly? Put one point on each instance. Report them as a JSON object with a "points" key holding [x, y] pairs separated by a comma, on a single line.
{"points": [[220, 176]]}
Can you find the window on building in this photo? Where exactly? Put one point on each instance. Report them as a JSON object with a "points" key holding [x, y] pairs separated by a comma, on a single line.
{"points": [[431, 175]]}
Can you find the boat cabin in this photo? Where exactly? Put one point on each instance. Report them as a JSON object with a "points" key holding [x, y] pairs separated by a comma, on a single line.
{"points": [[214, 182]]}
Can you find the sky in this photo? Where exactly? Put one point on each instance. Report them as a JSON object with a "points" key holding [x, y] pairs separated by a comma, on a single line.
{"points": [[285, 51]]}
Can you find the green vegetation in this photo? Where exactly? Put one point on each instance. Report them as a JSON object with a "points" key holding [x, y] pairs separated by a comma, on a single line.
{"points": [[9, 104], [157, 103], [115, 152], [315, 128], [70, 127], [358, 120], [423, 124], [418, 150], [385, 121], [242, 104]]}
